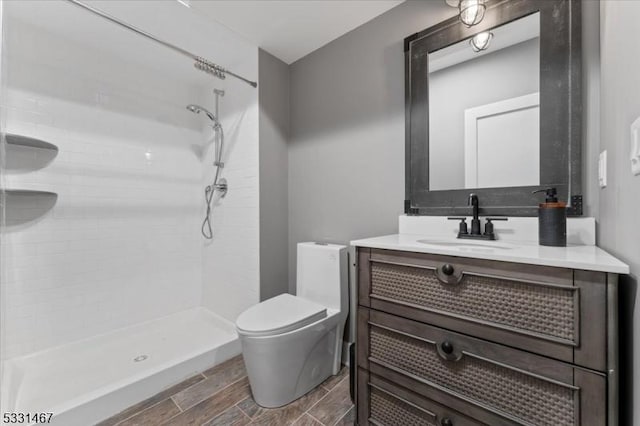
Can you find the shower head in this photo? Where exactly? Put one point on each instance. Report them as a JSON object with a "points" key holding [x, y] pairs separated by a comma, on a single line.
{"points": [[197, 109]]}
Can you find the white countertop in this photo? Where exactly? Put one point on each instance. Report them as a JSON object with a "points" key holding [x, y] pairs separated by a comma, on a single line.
{"points": [[585, 257]]}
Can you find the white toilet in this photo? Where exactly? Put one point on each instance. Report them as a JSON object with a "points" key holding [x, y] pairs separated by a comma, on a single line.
{"points": [[291, 344]]}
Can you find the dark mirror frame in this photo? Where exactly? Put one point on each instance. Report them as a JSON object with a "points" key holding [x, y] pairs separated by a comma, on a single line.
{"points": [[560, 112]]}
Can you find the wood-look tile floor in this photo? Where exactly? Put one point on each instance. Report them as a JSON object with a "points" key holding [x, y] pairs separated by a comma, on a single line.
{"points": [[221, 396]]}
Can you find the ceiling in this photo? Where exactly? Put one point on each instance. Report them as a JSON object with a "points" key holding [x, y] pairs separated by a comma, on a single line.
{"points": [[291, 29]]}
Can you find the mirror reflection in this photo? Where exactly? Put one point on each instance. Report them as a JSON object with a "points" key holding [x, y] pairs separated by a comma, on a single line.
{"points": [[484, 109]]}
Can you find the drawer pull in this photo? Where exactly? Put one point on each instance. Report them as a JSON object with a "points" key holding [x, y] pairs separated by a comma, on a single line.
{"points": [[446, 421], [447, 351], [448, 269], [447, 347], [447, 274]]}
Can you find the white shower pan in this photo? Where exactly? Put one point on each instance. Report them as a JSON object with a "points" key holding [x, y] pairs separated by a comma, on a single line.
{"points": [[88, 381]]}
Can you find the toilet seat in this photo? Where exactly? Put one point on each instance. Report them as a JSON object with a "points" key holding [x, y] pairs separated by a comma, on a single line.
{"points": [[279, 315]]}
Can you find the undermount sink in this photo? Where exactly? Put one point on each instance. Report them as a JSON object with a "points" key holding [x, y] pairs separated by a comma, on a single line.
{"points": [[467, 244]]}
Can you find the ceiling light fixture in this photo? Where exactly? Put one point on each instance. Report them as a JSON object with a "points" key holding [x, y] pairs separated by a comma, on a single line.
{"points": [[481, 41], [471, 12]]}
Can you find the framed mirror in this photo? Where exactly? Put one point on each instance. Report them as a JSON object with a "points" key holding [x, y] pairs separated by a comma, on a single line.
{"points": [[495, 110]]}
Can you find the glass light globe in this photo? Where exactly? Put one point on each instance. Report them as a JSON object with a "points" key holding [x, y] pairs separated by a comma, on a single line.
{"points": [[481, 41], [471, 11]]}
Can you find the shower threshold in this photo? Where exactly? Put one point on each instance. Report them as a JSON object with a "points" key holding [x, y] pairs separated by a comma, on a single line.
{"points": [[87, 381]]}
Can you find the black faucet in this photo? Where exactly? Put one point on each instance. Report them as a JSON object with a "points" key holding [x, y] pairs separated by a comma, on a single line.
{"points": [[476, 232], [475, 222]]}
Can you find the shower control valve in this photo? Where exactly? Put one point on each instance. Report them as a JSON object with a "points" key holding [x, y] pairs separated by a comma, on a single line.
{"points": [[222, 187]]}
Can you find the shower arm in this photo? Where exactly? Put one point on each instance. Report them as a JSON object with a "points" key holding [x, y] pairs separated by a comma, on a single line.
{"points": [[200, 63]]}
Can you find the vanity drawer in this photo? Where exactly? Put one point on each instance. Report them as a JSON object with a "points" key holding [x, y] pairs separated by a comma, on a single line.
{"points": [[536, 308], [381, 402], [515, 386]]}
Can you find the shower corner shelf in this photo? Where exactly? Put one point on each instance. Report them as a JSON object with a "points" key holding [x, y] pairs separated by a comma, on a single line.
{"points": [[28, 193], [20, 140]]}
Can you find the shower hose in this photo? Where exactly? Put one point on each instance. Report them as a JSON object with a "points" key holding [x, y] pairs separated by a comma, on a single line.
{"points": [[209, 192]]}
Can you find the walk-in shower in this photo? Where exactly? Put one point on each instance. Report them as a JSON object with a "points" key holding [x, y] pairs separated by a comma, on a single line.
{"points": [[219, 184], [108, 291]]}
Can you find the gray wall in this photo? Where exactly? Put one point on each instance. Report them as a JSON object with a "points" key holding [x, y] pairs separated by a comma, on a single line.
{"points": [[591, 105], [273, 97], [619, 210], [346, 154], [503, 74], [346, 149]]}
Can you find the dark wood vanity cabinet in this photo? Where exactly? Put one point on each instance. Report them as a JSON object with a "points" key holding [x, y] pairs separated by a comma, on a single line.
{"points": [[448, 341]]}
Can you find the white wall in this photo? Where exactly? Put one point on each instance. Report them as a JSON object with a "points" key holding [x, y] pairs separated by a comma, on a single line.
{"points": [[2, 195], [122, 243], [619, 202]]}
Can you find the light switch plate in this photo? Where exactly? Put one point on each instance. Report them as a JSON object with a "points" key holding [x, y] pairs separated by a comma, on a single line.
{"points": [[635, 147], [602, 169]]}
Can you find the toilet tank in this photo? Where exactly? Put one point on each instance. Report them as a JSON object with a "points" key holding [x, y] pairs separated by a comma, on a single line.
{"points": [[322, 274]]}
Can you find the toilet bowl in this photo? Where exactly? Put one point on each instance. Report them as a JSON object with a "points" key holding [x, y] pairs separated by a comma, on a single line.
{"points": [[291, 344]]}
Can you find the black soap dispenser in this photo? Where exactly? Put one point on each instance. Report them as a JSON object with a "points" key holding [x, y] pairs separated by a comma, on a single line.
{"points": [[552, 220]]}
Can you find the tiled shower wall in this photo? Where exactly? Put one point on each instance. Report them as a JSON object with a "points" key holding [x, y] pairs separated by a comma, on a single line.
{"points": [[231, 272], [121, 244]]}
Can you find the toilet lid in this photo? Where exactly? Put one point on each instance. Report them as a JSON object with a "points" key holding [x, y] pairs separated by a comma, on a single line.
{"points": [[279, 315]]}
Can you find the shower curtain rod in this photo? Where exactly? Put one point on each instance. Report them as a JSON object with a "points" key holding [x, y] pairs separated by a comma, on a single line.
{"points": [[200, 63]]}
